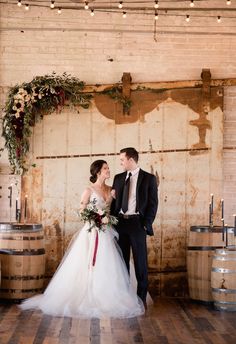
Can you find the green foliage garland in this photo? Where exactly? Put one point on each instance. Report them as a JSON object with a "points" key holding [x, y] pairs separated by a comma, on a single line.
{"points": [[29, 102], [116, 94]]}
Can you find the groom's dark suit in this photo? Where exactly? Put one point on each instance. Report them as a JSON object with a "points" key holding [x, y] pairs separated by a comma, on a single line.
{"points": [[132, 229]]}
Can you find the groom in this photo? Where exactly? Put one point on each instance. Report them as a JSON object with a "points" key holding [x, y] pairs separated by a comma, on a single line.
{"points": [[135, 204]]}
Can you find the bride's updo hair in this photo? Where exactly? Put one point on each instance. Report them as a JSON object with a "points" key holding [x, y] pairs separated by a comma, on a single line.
{"points": [[95, 168]]}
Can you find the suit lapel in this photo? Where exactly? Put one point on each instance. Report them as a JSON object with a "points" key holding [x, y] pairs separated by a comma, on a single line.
{"points": [[121, 187], [122, 180], [140, 178]]}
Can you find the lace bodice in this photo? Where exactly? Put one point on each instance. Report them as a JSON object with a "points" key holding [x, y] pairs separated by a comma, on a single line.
{"points": [[101, 203]]}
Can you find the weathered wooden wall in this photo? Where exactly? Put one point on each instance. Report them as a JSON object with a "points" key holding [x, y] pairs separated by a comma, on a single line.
{"points": [[169, 139], [99, 50]]}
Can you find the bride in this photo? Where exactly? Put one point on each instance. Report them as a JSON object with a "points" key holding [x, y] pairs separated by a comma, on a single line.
{"points": [[85, 287]]}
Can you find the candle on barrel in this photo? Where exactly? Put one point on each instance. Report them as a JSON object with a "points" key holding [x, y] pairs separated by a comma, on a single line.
{"points": [[10, 200], [222, 219], [16, 209], [211, 211], [26, 197], [222, 208], [10, 196], [234, 224], [212, 202], [210, 217], [226, 235]]}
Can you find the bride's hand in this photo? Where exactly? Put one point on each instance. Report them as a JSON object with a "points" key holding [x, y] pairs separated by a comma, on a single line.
{"points": [[113, 193]]}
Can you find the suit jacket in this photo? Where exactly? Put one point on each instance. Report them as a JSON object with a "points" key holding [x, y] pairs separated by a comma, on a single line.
{"points": [[146, 197]]}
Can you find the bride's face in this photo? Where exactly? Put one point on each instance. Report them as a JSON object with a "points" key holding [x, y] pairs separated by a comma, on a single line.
{"points": [[105, 172]]}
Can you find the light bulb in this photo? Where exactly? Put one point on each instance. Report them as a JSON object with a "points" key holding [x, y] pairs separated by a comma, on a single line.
{"points": [[52, 4], [219, 19], [124, 14], [187, 18], [120, 4], [191, 3], [27, 7], [92, 13], [156, 5], [19, 3], [156, 16], [228, 2], [86, 6], [59, 10]]}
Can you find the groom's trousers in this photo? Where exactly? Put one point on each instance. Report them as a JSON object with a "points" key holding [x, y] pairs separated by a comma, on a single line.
{"points": [[132, 236]]}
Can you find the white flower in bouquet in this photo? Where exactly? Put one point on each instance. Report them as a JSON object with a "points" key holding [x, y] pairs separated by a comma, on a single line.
{"points": [[98, 218], [100, 212], [105, 220]]}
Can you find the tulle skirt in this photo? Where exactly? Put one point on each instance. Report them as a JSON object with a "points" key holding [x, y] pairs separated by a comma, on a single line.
{"points": [[90, 283]]}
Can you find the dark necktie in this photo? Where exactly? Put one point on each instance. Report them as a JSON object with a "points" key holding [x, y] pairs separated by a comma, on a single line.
{"points": [[125, 197]]}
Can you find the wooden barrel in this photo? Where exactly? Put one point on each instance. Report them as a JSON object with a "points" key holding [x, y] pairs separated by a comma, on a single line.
{"points": [[22, 255], [223, 279], [203, 240]]}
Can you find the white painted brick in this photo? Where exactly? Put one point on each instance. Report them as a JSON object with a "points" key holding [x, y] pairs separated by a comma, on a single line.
{"points": [[38, 50]]}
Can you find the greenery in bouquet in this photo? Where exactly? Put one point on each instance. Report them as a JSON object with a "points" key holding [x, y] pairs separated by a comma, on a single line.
{"points": [[29, 102], [99, 218]]}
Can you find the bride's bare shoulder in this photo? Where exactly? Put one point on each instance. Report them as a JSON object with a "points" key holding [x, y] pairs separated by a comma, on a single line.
{"points": [[87, 192]]}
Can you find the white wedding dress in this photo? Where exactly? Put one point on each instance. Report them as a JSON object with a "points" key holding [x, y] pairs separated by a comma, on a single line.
{"points": [[81, 289]]}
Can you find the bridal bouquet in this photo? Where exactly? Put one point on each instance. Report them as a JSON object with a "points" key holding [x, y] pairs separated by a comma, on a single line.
{"points": [[98, 218]]}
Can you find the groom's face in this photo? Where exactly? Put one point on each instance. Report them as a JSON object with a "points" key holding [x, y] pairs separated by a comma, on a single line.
{"points": [[125, 162]]}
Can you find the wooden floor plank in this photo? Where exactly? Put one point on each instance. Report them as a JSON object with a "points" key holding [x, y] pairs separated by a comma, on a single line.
{"points": [[50, 340], [168, 321], [80, 331], [105, 331]]}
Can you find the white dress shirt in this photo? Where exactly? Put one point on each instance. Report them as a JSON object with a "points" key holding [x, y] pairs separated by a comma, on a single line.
{"points": [[132, 191]]}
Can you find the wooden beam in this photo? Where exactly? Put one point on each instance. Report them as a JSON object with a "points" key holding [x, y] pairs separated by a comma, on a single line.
{"points": [[163, 85]]}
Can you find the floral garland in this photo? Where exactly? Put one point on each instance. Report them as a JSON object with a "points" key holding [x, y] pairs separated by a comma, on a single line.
{"points": [[28, 103]]}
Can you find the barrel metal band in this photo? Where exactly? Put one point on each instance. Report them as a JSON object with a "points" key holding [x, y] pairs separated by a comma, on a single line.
{"points": [[13, 291], [22, 278], [225, 302], [224, 271], [224, 258], [23, 252], [19, 237], [224, 291], [203, 248], [208, 229]]}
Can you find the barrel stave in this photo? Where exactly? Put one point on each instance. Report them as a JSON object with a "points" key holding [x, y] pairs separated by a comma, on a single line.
{"points": [[22, 254], [223, 279]]}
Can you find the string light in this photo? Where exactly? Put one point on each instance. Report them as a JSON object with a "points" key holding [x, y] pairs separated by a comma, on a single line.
{"points": [[120, 4], [156, 5]]}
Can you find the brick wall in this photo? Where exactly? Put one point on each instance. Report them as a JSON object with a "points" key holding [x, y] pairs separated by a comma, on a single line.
{"points": [[100, 49], [229, 153]]}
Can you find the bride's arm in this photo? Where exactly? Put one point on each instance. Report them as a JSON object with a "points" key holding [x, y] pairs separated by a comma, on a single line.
{"points": [[84, 199]]}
